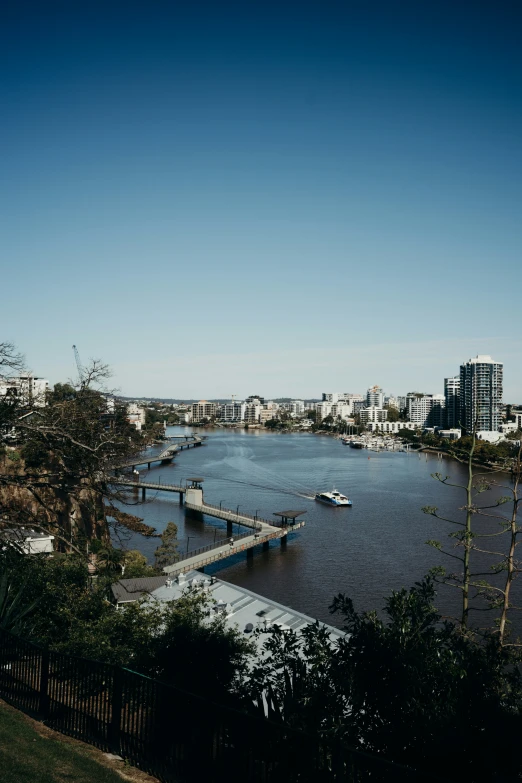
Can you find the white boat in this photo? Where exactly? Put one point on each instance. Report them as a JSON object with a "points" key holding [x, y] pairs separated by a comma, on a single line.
{"points": [[333, 498]]}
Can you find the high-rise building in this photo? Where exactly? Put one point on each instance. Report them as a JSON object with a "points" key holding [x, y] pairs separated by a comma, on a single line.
{"points": [[375, 397], [425, 410], [452, 397], [481, 394]]}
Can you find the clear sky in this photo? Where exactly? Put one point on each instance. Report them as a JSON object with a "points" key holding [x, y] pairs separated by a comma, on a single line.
{"points": [[271, 197]]}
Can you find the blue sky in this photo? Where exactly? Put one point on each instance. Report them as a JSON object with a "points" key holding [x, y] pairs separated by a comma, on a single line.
{"points": [[270, 197]]}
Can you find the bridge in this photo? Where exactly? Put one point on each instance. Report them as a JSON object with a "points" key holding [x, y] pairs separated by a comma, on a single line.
{"points": [[262, 530], [168, 454], [152, 485], [262, 533]]}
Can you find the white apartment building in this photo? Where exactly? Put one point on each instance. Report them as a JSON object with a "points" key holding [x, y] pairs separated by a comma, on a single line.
{"points": [[184, 415], [343, 410], [252, 413], [322, 410], [425, 410], [373, 414], [331, 397], [204, 410], [136, 415], [232, 412], [481, 394], [30, 391], [392, 402], [297, 407], [375, 397], [335, 397]]}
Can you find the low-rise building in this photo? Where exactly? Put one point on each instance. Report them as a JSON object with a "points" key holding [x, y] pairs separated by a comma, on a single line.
{"points": [[490, 436], [31, 392], [241, 609], [454, 433], [390, 427], [267, 414], [508, 426], [28, 540]]}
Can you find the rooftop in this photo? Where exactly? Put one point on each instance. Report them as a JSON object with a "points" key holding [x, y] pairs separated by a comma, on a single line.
{"points": [[242, 608], [18, 533], [291, 514]]}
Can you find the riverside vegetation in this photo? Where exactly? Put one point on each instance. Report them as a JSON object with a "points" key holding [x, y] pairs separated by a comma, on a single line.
{"points": [[438, 694]]}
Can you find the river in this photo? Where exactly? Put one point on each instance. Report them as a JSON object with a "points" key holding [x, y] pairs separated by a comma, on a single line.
{"points": [[365, 551]]}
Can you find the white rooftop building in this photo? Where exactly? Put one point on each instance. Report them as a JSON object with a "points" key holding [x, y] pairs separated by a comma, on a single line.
{"points": [[244, 610], [28, 540]]}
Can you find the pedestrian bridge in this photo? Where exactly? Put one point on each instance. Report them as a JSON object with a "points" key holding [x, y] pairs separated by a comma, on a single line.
{"points": [[261, 531], [168, 454]]}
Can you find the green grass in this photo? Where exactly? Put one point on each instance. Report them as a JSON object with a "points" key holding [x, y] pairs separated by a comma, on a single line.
{"points": [[27, 757]]}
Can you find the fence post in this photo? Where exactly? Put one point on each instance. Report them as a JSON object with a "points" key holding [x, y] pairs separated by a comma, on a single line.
{"points": [[44, 686], [116, 707]]}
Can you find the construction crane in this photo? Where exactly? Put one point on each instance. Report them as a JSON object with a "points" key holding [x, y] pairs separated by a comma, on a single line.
{"points": [[78, 363]]}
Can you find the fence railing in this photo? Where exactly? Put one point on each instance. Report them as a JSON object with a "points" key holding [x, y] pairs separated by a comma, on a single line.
{"points": [[172, 734]]}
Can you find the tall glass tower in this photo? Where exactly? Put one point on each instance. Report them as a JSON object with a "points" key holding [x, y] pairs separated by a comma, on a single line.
{"points": [[481, 394]]}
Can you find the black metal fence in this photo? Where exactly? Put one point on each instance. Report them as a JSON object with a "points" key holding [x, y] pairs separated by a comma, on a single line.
{"points": [[170, 733]]}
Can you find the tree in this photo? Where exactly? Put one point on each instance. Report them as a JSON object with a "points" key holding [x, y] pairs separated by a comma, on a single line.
{"points": [[408, 435], [167, 552], [499, 540], [192, 635], [393, 414], [135, 565], [408, 687], [67, 453]]}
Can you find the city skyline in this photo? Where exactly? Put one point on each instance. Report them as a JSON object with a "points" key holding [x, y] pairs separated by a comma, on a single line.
{"points": [[430, 379], [215, 198]]}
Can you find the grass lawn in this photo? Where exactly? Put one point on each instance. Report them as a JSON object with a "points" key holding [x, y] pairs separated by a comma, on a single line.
{"points": [[28, 756]]}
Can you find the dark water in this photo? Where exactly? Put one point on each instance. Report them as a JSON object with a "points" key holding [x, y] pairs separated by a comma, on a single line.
{"points": [[365, 551]]}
